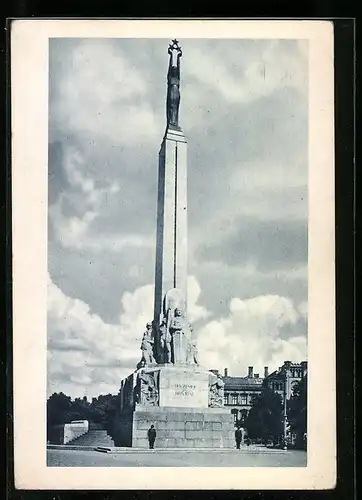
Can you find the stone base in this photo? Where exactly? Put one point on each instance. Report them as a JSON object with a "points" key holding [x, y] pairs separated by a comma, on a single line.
{"points": [[176, 427]]}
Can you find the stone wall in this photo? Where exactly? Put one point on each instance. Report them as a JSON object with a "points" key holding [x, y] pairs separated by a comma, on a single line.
{"points": [[65, 433], [75, 430], [55, 434], [122, 428]]}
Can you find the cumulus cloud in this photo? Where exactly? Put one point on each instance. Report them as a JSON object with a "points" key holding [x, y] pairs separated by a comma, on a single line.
{"points": [[303, 309], [87, 353], [251, 335], [195, 311], [89, 200]]}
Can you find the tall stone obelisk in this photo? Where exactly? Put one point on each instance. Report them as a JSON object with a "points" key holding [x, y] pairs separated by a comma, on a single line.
{"points": [[171, 242]]}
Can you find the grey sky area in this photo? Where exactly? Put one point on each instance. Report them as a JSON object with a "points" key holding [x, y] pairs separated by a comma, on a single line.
{"points": [[244, 111]]}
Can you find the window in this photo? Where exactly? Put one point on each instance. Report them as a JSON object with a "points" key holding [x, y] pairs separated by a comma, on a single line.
{"points": [[244, 399], [234, 399], [226, 399]]}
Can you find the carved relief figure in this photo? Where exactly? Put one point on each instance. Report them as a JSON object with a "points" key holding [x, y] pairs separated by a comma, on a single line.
{"points": [[191, 356], [146, 389], [216, 392], [165, 341], [177, 323], [176, 339], [141, 364], [195, 352], [147, 345], [179, 330], [173, 299]]}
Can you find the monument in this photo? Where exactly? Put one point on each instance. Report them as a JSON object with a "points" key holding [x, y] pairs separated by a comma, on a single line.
{"points": [[169, 389]]}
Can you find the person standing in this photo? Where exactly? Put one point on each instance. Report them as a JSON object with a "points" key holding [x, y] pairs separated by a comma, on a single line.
{"points": [[151, 437], [238, 436]]}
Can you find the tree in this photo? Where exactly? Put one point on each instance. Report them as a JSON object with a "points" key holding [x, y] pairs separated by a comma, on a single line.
{"points": [[58, 406], [297, 411], [99, 408], [61, 409], [79, 410], [265, 419], [110, 412]]}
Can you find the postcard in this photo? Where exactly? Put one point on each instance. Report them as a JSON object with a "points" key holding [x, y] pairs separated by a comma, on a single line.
{"points": [[173, 254]]}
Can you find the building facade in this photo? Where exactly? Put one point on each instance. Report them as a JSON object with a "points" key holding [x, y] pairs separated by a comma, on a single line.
{"points": [[285, 377], [240, 392]]}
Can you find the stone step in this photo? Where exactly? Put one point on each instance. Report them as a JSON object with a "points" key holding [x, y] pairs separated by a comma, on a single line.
{"points": [[93, 438], [248, 450], [125, 450]]}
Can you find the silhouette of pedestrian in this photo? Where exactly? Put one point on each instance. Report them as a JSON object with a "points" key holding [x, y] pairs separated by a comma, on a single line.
{"points": [[238, 435], [151, 436]]}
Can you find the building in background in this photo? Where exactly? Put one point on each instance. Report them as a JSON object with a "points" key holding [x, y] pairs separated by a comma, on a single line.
{"points": [[239, 392], [285, 377], [282, 382]]}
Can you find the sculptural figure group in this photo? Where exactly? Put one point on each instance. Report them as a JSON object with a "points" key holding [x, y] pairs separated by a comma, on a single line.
{"points": [[146, 389], [171, 341]]}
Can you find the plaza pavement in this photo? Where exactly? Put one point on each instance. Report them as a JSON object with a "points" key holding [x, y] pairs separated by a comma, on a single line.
{"points": [[177, 458]]}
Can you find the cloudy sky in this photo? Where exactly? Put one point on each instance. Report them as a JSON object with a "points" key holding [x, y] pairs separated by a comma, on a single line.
{"points": [[244, 112]]}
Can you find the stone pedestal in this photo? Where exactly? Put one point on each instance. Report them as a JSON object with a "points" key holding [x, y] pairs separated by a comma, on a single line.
{"points": [[183, 386], [184, 427], [181, 415]]}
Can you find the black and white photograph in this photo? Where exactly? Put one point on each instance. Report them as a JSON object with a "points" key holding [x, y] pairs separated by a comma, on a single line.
{"points": [[178, 315]]}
